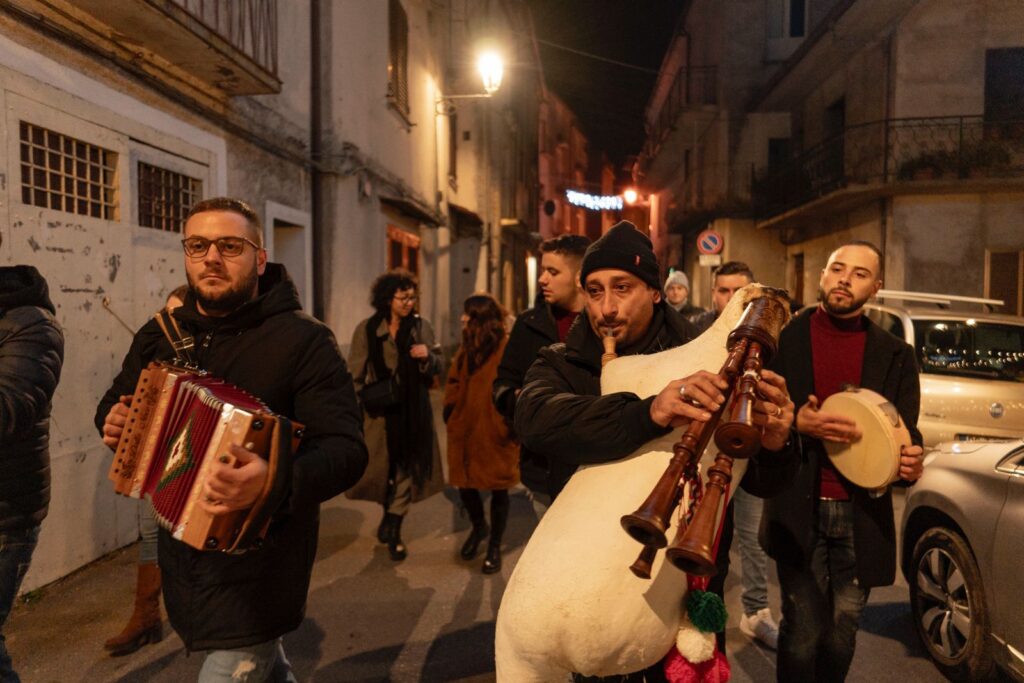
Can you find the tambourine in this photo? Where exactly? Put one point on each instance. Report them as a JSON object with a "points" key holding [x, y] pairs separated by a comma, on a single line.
{"points": [[873, 461]]}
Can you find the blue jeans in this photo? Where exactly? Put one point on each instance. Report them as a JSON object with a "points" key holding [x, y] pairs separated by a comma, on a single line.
{"points": [[15, 555], [821, 602], [262, 663], [746, 517]]}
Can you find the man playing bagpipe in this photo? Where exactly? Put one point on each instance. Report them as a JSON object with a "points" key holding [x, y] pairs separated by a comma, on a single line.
{"points": [[562, 411], [244, 318]]}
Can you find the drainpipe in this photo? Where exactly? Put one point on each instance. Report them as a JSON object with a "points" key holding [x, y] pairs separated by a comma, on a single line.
{"points": [[885, 203], [316, 152]]}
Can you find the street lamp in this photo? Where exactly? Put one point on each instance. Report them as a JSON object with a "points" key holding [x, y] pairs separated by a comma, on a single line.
{"points": [[491, 68]]}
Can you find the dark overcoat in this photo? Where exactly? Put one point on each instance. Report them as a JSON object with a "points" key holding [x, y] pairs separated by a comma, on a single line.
{"points": [[373, 485], [787, 524]]}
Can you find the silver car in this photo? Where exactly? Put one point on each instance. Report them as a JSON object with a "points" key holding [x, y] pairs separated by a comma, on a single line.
{"points": [[963, 558], [971, 362]]}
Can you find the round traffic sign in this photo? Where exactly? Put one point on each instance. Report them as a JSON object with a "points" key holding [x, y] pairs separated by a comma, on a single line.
{"points": [[710, 242]]}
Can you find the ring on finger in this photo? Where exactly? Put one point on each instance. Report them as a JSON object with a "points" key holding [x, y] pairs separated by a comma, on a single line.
{"points": [[682, 391]]}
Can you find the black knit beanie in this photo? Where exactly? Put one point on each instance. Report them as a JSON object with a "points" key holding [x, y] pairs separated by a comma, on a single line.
{"points": [[623, 247]]}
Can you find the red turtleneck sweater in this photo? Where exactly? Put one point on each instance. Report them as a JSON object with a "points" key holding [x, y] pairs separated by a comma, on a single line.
{"points": [[837, 353], [563, 320]]}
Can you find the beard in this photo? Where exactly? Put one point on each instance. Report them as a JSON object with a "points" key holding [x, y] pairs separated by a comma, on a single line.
{"points": [[843, 307], [225, 301]]}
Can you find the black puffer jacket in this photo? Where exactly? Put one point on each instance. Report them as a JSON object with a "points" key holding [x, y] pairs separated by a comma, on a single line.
{"points": [[561, 410], [31, 356], [291, 361]]}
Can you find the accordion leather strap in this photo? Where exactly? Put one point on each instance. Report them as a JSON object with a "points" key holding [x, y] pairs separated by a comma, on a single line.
{"points": [[183, 344], [275, 490]]}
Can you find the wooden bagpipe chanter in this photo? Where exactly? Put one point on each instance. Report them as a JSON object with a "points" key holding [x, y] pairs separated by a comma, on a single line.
{"points": [[181, 425]]}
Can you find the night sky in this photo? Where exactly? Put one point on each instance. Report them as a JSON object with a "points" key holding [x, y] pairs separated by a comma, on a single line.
{"points": [[608, 99]]}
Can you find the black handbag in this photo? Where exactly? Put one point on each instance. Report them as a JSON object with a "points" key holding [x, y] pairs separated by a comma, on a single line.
{"points": [[380, 396]]}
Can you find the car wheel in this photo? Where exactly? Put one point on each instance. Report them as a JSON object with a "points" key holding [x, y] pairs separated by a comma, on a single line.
{"points": [[950, 607]]}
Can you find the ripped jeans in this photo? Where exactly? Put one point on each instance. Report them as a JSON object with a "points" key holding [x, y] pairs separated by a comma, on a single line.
{"points": [[262, 663], [821, 603]]}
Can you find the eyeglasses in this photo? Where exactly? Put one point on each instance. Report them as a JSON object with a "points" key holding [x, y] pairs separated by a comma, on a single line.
{"points": [[229, 247], [406, 299]]}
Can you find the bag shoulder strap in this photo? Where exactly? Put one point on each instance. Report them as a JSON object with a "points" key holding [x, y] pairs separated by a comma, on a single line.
{"points": [[183, 344]]}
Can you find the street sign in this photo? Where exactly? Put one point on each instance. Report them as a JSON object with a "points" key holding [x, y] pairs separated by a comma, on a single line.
{"points": [[710, 259], [710, 242]]}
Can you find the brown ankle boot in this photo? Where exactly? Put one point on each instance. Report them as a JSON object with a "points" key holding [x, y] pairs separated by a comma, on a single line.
{"points": [[144, 627]]}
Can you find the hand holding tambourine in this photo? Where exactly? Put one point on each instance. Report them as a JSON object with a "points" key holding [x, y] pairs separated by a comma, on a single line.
{"points": [[865, 437]]}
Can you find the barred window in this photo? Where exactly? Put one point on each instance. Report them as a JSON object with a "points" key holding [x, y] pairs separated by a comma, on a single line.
{"points": [[165, 197], [62, 173]]}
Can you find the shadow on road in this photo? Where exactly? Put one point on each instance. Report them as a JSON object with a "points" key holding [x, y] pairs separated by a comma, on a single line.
{"points": [[894, 621]]}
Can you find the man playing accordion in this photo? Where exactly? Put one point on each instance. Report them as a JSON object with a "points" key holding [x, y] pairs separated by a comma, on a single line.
{"points": [[248, 328]]}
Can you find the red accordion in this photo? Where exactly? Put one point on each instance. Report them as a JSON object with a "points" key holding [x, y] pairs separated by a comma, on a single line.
{"points": [[181, 423]]}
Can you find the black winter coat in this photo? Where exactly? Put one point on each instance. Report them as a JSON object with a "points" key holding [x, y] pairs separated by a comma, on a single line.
{"points": [[535, 328], [787, 524], [561, 410], [291, 361], [31, 356]]}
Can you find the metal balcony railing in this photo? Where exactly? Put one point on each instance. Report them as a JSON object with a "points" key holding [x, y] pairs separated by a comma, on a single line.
{"points": [[894, 150], [250, 26], [692, 86]]}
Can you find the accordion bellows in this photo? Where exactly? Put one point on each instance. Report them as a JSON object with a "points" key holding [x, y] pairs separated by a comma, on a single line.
{"points": [[182, 423]]}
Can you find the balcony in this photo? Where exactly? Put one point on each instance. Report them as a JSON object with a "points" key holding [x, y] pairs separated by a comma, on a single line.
{"points": [[221, 48], [694, 91], [885, 158]]}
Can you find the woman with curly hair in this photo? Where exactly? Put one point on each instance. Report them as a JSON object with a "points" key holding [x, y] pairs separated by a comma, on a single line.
{"points": [[482, 454], [394, 360]]}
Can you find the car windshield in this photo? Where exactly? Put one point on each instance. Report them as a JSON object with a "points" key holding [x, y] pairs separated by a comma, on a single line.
{"points": [[971, 349]]}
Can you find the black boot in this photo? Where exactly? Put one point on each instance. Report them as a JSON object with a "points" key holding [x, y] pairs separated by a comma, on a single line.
{"points": [[395, 546], [475, 509], [499, 518], [477, 534], [492, 563], [387, 526]]}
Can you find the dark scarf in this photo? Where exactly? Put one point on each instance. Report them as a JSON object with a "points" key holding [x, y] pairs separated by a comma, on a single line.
{"points": [[409, 428]]}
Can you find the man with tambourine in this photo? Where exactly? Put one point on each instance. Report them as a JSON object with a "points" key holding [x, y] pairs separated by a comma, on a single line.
{"points": [[834, 538], [244, 317]]}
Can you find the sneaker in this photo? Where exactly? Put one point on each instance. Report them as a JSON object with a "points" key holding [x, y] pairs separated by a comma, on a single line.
{"points": [[761, 626]]}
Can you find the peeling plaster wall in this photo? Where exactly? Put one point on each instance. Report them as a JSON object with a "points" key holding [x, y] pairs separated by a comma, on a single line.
{"points": [[86, 260]]}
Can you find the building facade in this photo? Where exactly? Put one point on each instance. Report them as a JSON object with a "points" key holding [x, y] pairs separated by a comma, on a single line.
{"points": [[814, 122], [333, 119]]}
